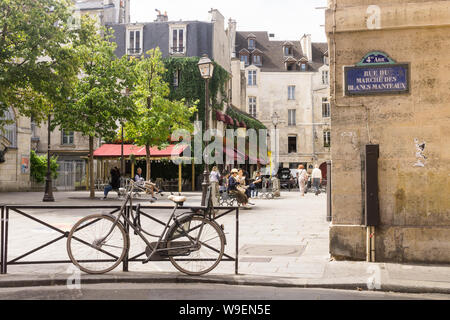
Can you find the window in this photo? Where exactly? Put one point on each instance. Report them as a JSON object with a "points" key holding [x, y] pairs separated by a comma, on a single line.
{"points": [[325, 77], [292, 144], [325, 60], [252, 106], [252, 77], [325, 108], [134, 41], [178, 40], [244, 58], [292, 121], [67, 137], [288, 51], [291, 92], [257, 60], [303, 66], [327, 139], [9, 130], [251, 44], [290, 66]]}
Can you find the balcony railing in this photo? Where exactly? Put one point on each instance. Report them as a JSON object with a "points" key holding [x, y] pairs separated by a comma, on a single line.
{"points": [[177, 49], [133, 51]]}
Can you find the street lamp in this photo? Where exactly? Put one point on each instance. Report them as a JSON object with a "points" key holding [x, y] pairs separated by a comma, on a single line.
{"points": [[48, 195], [206, 67], [275, 122]]}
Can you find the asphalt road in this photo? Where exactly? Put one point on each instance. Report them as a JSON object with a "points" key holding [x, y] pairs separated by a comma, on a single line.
{"points": [[198, 292]]}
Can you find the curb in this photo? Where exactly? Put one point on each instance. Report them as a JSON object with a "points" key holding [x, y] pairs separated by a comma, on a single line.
{"points": [[279, 282]]}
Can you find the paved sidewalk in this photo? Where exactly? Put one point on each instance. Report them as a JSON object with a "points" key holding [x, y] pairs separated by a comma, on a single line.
{"points": [[282, 242]]}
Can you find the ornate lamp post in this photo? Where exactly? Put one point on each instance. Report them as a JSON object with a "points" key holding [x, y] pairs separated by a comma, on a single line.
{"points": [[48, 196], [275, 122], [206, 67]]}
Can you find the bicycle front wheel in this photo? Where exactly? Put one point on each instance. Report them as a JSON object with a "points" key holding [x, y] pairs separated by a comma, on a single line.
{"points": [[96, 245], [196, 247]]}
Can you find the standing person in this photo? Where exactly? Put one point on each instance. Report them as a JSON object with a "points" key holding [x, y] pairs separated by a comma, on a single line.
{"points": [[214, 178], [317, 178], [233, 187], [114, 184], [256, 185], [302, 177]]}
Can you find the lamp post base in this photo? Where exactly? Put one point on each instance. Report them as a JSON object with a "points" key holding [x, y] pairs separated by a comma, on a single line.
{"points": [[48, 196], [205, 186]]}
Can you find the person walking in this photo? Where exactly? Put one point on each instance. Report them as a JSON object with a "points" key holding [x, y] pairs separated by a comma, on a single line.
{"points": [[214, 178], [316, 179], [302, 177], [114, 184]]}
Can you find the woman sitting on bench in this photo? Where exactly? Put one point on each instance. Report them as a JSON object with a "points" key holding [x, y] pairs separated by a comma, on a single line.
{"points": [[148, 185], [235, 188]]}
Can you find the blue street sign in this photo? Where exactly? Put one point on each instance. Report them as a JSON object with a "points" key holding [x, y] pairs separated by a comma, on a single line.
{"points": [[377, 79]]}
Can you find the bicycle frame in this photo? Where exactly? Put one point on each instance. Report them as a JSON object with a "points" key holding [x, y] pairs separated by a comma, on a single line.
{"points": [[139, 231]]}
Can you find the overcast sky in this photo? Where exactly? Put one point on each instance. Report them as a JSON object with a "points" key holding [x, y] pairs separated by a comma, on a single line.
{"points": [[288, 19]]}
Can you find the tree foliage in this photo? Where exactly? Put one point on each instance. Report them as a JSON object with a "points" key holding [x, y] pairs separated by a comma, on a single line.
{"points": [[37, 62], [98, 103], [38, 167], [157, 115]]}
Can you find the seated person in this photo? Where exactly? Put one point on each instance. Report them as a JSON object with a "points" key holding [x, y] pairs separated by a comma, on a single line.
{"points": [[148, 185], [243, 181], [114, 183], [233, 185], [256, 185], [223, 187]]}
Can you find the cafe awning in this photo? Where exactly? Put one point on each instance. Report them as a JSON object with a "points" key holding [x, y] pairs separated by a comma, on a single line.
{"points": [[115, 151]]}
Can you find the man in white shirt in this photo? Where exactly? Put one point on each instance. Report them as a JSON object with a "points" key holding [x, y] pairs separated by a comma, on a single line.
{"points": [[316, 177]]}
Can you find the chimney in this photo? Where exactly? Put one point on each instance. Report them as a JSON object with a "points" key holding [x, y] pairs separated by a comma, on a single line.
{"points": [[161, 17], [232, 26], [307, 46]]}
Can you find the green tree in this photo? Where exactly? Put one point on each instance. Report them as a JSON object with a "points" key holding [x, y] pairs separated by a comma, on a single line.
{"points": [[98, 104], [37, 61], [38, 168], [157, 117]]}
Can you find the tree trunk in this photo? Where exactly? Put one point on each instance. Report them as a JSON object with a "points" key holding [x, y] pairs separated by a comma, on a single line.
{"points": [[91, 167], [149, 164]]}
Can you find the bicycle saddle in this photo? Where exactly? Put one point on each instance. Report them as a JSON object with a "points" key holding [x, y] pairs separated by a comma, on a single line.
{"points": [[178, 200]]}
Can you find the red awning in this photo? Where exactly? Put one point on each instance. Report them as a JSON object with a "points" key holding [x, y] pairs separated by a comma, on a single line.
{"points": [[233, 154], [114, 151], [220, 116], [242, 124], [229, 120]]}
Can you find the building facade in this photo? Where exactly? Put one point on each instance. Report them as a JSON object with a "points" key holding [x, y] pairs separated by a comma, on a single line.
{"points": [[291, 79], [390, 63]]}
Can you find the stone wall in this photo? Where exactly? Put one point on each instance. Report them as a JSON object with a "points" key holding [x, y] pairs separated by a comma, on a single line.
{"points": [[414, 201], [11, 176]]}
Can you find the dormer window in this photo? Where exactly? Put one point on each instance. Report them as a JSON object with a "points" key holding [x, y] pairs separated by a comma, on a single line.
{"points": [[135, 36], [303, 66], [291, 64], [257, 60], [251, 41], [288, 49], [177, 39], [245, 56]]}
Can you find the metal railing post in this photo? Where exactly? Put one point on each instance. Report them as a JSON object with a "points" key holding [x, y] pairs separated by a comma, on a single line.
{"points": [[127, 229], [236, 264], [5, 242], [2, 258]]}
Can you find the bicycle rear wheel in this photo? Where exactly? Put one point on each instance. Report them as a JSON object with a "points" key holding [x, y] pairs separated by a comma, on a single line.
{"points": [[191, 259], [91, 246]]}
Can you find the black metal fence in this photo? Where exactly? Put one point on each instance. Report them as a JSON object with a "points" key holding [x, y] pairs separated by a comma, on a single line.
{"points": [[7, 210]]}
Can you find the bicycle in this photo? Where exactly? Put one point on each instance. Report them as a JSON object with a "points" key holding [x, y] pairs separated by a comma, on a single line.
{"points": [[193, 243]]}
